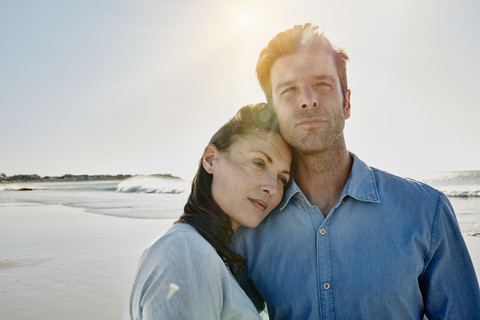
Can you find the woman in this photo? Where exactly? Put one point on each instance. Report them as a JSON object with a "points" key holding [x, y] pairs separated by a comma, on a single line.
{"points": [[187, 273]]}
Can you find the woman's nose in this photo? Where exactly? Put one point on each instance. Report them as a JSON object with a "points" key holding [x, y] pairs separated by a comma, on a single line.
{"points": [[270, 185]]}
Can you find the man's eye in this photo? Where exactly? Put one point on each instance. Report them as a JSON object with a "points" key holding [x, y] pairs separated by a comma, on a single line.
{"points": [[287, 90], [324, 84]]}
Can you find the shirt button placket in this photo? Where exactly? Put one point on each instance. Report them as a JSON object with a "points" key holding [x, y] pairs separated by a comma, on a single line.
{"points": [[325, 273]]}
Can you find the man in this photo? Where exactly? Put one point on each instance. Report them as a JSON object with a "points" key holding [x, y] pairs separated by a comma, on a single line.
{"points": [[348, 241]]}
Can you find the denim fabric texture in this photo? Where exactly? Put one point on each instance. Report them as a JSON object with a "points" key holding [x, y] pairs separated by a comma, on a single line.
{"points": [[390, 248]]}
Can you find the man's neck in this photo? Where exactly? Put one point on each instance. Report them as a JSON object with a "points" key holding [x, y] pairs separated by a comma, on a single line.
{"points": [[322, 176]]}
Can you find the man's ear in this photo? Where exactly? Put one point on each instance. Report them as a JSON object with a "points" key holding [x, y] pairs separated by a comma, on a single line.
{"points": [[346, 105], [208, 160]]}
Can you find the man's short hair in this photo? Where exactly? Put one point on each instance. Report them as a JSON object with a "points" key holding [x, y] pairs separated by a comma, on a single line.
{"points": [[300, 38]]}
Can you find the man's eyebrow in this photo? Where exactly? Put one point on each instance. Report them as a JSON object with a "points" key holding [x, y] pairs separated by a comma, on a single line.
{"points": [[325, 77], [287, 83]]}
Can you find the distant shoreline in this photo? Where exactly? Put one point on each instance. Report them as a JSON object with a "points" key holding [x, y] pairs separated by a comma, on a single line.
{"points": [[20, 178]]}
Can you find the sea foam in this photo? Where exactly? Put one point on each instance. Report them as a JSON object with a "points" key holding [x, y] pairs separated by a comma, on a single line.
{"points": [[145, 184], [457, 184]]}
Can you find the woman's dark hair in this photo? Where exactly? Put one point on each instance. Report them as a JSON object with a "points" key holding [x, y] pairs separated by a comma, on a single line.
{"points": [[201, 210]]}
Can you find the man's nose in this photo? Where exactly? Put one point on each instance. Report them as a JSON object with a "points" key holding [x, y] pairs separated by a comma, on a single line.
{"points": [[308, 98]]}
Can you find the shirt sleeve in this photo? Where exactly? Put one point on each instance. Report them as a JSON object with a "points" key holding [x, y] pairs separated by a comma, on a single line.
{"points": [[169, 285], [449, 284]]}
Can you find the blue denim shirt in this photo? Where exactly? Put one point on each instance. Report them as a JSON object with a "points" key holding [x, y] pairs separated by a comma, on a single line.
{"points": [[390, 248]]}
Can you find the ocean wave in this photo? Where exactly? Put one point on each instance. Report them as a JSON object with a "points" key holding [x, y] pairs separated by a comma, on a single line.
{"points": [[457, 177], [462, 194], [144, 184], [457, 184]]}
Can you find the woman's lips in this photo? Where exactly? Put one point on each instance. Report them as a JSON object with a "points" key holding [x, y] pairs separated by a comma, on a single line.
{"points": [[260, 204]]}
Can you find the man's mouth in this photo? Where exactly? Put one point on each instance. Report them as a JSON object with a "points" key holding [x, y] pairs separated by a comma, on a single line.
{"points": [[310, 121]]}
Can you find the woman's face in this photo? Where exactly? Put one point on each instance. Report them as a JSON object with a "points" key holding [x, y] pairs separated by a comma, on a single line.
{"points": [[249, 179]]}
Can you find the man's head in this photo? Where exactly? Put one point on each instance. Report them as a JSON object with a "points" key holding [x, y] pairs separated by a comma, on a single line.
{"points": [[300, 38], [304, 78]]}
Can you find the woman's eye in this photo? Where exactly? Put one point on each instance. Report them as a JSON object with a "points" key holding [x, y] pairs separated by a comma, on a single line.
{"points": [[283, 180], [259, 164]]}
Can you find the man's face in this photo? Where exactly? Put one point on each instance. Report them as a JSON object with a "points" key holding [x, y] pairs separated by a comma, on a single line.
{"points": [[307, 97]]}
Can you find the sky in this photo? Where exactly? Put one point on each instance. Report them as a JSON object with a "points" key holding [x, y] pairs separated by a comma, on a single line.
{"points": [[139, 86]]}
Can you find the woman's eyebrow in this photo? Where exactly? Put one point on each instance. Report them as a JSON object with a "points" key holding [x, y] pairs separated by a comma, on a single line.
{"points": [[266, 155]]}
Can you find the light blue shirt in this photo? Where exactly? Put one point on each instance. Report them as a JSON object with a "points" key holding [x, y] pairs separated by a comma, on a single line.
{"points": [[181, 276], [390, 248]]}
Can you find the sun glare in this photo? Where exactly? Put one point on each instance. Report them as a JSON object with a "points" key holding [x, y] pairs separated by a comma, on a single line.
{"points": [[245, 19]]}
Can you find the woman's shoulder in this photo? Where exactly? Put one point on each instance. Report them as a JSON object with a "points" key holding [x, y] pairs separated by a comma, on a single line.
{"points": [[179, 235], [183, 241], [179, 232], [179, 277]]}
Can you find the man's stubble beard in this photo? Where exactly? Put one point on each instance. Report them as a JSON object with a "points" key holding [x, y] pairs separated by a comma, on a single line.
{"points": [[315, 142]]}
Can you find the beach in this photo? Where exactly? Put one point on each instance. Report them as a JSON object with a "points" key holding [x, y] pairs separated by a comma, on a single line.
{"points": [[60, 262]]}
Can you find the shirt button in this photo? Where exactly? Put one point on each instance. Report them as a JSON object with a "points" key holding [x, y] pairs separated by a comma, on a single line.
{"points": [[303, 200], [299, 206], [323, 232], [326, 286]]}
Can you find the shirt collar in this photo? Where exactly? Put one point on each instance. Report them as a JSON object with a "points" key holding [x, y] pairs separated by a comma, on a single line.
{"points": [[361, 185], [289, 193]]}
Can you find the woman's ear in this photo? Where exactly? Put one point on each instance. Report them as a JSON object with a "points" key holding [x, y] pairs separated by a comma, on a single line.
{"points": [[208, 160]]}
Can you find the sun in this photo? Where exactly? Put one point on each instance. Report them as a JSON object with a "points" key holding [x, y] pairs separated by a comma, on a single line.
{"points": [[245, 19]]}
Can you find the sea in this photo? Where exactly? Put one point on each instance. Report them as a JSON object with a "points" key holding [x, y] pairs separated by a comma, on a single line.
{"points": [[147, 197]]}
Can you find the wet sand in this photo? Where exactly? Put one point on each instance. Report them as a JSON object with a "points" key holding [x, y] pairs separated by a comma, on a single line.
{"points": [[58, 262]]}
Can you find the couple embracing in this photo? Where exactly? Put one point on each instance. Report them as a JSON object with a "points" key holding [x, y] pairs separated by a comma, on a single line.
{"points": [[282, 213]]}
